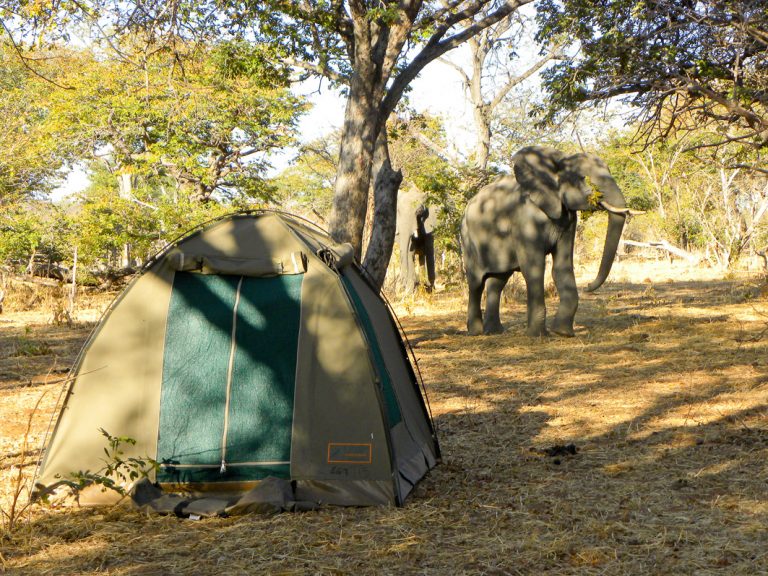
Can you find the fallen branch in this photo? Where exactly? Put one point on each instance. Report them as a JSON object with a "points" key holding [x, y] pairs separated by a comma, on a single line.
{"points": [[34, 280], [666, 246]]}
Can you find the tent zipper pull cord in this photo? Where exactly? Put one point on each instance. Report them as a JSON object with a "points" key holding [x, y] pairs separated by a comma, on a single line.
{"points": [[230, 369]]}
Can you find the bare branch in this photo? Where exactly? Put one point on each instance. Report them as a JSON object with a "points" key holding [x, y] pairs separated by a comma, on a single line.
{"points": [[320, 70], [437, 46], [457, 68], [555, 51]]}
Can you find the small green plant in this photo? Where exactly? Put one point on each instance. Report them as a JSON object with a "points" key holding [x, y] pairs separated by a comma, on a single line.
{"points": [[117, 471], [61, 316]]}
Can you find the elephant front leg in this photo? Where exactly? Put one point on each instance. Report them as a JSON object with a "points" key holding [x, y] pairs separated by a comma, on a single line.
{"points": [[533, 272], [565, 282], [407, 271], [493, 288]]}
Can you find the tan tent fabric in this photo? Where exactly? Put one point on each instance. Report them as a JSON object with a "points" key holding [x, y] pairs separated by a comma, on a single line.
{"points": [[116, 383], [360, 433], [334, 377]]}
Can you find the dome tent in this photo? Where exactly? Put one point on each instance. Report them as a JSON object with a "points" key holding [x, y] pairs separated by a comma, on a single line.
{"points": [[251, 348]]}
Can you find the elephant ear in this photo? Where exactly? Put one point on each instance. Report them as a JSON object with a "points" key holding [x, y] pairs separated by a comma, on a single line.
{"points": [[536, 170]]}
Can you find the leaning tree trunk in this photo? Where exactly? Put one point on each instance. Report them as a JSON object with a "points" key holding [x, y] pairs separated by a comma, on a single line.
{"points": [[386, 185], [374, 45]]}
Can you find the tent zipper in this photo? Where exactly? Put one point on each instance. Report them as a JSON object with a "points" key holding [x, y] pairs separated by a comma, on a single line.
{"points": [[230, 369]]}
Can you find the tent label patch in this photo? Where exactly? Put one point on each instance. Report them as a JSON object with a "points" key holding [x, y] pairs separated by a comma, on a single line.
{"points": [[341, 453]]}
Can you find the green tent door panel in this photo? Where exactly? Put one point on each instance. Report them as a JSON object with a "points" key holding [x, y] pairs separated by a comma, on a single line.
{"points": [[226, 407]]}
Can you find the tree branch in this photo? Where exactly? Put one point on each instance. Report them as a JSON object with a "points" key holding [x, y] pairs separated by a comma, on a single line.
{"points": [[24, 60], [457, 68], [436, 47], [319, 70], [555, 51]]}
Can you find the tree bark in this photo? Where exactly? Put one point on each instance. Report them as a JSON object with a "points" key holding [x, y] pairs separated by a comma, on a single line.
{"points": [[482, 113], [359, 132], [353, 177], [125, 185], [385, 191], [125, 191], [483, 142]]}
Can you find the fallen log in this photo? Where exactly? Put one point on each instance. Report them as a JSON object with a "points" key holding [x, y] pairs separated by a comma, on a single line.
{"points": [[666, 246], [34, 280]]}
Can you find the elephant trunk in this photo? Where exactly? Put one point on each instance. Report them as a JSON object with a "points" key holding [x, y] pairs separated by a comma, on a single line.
{"points": [[616, 219]]}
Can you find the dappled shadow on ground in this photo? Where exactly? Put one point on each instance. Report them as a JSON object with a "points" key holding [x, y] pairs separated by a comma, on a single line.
{"points": [[35, 353], [663, 393], [35, 358]]}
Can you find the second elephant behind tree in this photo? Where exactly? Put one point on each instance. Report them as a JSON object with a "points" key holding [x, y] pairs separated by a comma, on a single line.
{"points": [[416, 223], [513, 223]]}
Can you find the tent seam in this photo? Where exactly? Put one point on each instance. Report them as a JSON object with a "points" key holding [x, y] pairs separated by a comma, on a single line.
{"points": [[230, 369]]}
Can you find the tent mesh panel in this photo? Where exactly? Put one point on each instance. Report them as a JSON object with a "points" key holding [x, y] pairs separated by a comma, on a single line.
{"points": [[198, 345]]}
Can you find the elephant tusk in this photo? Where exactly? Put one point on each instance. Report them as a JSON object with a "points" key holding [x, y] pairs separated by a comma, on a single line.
{"points": [[622, 211]]}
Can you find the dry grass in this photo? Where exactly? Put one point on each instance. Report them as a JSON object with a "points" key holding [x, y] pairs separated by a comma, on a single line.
{"points": [[664, 393]]}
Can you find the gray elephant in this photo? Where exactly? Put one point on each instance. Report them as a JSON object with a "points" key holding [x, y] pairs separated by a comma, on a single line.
{"points": [[513, 223], [415, 232]]}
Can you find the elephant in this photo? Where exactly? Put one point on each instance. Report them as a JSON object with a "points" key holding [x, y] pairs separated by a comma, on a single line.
{"points": [[513, 223], [415, 227]]}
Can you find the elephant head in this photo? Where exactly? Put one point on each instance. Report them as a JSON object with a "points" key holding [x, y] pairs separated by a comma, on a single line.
{"points": [[557, 183]]}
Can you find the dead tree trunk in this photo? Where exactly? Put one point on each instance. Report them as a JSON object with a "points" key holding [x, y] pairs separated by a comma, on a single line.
{"points": [[385, 191]]}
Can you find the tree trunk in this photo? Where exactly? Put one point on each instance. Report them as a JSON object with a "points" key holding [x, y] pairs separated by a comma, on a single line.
{"points": [[125, 191], [73, 289], [353, 177], [374, 46], [384, 215], [482, 111], [483, 143], [31, 264], [125, 185]]}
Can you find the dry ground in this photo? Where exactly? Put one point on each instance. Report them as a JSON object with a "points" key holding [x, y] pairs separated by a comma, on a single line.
{"points": [[663, 393]]}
